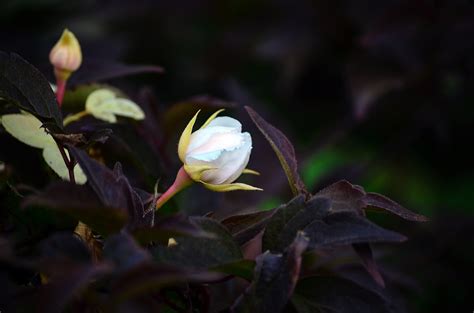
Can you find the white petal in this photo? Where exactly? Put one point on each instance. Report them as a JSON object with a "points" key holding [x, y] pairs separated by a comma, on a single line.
{"points": [[230, 164], [244, 157], [226, 121], [209, 140]]}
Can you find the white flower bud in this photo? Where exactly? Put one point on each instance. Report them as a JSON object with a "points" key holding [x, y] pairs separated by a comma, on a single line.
{"points": [[222, 147], [217, 153], [66, 55]]}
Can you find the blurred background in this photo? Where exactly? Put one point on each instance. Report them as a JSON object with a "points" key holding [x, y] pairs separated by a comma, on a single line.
{"points": [[379, 93]]}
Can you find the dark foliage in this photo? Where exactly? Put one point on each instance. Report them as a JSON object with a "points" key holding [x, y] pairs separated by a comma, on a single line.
{"points": [[101, 247]]}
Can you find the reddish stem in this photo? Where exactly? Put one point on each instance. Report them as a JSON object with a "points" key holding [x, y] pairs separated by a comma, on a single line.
{"points": [[60, 90], [182, 181]]}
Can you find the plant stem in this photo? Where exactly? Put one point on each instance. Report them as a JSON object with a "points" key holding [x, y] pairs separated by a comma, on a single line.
{"points": [[72, 118], [182, 181], [60, 90], [70, 163]]}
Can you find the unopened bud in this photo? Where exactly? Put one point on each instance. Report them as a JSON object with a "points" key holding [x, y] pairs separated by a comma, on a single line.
{"points": [[66, 55]]}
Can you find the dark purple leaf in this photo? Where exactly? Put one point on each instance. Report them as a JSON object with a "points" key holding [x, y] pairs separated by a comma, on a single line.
{"points": [[94, 70], [113, 189], [65, 247], [22, 84], [171, 226], [122, 250], [150, 277], [336, 295], [345, 197], [65, 283], [246, 226], [364, 251], [275, 278], [283, 149], [380, 203], [324, 226], [240, 268], [345, 228], [202, 253], [353, 198], [80, 202], [314, 209], [278, 221]]}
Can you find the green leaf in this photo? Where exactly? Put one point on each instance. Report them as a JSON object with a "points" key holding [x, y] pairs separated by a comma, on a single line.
{"points": [[27, 129], [202, 253], [54, 159], [104, 104], [283, 149], [22, 84]]}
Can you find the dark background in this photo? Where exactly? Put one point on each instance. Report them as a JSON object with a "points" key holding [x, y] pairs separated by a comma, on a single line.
{"points": [[376, 92]]}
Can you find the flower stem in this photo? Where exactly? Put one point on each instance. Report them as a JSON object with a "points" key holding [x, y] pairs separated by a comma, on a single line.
{"points": [[182, 181], [60, 90]]}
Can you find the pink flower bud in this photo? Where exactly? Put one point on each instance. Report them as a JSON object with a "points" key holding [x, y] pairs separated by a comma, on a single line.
{"points": [[66, 56]]}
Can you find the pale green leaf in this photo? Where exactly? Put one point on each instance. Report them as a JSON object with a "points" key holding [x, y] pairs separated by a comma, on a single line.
{"points": [[53, 158], [105, 105], [27, 129]]}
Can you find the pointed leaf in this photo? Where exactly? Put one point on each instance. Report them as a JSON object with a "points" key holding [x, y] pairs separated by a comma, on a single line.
{"points": [[283, 149], [364, 251], [244, 227], [353, 198], [80, 202], [202, 253], [113, 189], [336, 295], [275, 278], [22, 84], [345, 228]]}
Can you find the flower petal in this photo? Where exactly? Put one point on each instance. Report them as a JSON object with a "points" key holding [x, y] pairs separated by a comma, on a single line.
{"points": [[230, 187], [185, 137], [208, 144], [226, 121], [213, 116]]}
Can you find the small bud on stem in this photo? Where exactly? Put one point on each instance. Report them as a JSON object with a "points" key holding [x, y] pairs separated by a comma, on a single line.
{"points": [[66, 57]]}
